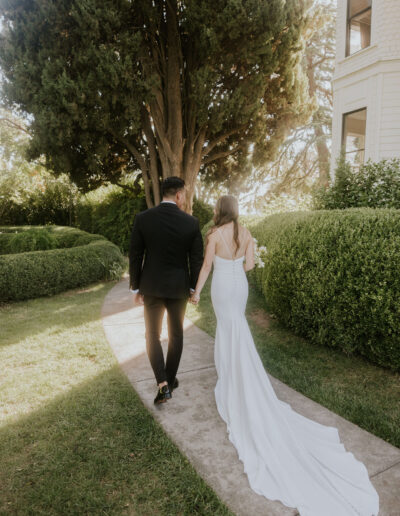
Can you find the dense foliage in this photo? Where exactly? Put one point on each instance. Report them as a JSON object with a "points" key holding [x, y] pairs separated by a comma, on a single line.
{"points": [[29, 194], [53, 202], [39, 238], [373, 185], [34, 239], [109, 212], [82, 259], [203, 211], [333, 276], [163, 87]]}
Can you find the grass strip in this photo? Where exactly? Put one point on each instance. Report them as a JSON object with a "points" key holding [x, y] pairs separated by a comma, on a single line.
{"points": [[74, 436]]}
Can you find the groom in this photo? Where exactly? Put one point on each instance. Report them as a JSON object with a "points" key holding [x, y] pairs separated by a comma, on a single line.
{"points": [[165, 258]]}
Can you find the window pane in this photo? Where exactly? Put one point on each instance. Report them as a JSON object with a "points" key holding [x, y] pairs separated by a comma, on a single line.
{"points": [[356, 6], [354, 135], [360, 32], [355, 158]]}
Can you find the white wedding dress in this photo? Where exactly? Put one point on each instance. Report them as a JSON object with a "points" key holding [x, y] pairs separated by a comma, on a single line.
{"points": [[286, 456]]}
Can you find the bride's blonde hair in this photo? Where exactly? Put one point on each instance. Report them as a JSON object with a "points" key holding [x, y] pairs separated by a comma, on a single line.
{"points": [[227, 210]]}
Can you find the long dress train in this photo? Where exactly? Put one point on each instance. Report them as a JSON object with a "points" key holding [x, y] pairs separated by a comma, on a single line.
{"points": [[286, 456]]}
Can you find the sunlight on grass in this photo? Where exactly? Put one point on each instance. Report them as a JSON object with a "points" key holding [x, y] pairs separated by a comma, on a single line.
{"points": [[60, 353], [75, 437]]}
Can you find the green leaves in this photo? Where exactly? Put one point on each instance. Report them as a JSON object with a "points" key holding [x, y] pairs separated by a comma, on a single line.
{"points": [[80, 259], [201, 74], [332, 276], [373, 185]]}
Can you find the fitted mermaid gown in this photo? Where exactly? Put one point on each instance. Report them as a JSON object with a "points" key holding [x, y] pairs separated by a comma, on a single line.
{"points": [[286, 456]]}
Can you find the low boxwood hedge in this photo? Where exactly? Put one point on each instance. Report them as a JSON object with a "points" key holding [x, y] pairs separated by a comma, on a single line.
{"points": [[15, 239], [81, 259], [333, 277]]}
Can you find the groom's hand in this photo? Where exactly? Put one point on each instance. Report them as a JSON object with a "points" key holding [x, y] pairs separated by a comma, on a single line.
{"points": [[194, 298], [138, 299]]}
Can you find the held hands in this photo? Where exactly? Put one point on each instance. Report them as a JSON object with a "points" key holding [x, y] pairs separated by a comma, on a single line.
{"points": [[138, 299], [194, 298]]}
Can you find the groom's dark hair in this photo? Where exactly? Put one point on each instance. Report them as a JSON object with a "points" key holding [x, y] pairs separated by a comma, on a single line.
{"points": [[171, 185]]}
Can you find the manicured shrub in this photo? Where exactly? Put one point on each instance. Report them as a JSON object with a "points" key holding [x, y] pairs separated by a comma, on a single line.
{"points": [[110, 212], [203, 211], [373, 185], [38, 198], [86, 259], [16, 229], [34, 239], [333, 277], [60, 236], [4, 242]]}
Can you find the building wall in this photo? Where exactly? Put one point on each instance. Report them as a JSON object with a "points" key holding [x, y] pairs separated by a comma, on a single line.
{"points": [[370, 78]]}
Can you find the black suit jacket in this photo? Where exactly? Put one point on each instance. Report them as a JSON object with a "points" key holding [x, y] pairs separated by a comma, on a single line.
{"points": [[166, 252]]}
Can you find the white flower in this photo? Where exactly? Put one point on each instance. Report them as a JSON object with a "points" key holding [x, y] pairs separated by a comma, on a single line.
{"points": [[258, 252]]}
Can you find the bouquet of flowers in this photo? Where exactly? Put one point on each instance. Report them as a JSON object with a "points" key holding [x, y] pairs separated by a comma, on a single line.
{"points": [[258, 253]]}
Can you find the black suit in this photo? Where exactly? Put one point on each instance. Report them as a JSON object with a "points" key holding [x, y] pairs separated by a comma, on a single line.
{"points": [[165, 258]]}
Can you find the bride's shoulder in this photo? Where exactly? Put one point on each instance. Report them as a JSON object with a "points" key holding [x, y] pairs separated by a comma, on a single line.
{"points": [[212, 232], [245, 231]]}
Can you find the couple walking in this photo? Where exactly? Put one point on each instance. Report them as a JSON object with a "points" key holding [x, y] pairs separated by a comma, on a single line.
{"points": [[286, 456]]}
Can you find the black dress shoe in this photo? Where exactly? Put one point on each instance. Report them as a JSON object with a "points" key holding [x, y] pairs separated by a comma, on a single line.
{"points": [[175, 385], [163, 395]]}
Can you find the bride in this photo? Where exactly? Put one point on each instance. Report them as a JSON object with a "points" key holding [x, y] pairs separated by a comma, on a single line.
{"points": [[286, 456]]}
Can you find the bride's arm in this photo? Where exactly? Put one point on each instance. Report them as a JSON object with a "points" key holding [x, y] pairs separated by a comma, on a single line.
{"points": [[206, 267], [249, 255]]}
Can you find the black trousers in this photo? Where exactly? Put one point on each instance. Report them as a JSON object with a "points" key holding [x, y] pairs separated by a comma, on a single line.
{"points": [[154, 309]]}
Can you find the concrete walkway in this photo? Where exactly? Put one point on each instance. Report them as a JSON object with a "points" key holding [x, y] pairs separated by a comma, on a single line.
{"points": [[192, 421]]}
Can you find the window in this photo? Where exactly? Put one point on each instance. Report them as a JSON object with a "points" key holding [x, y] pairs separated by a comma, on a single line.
{"points": [[353, 141], [358, 25]]}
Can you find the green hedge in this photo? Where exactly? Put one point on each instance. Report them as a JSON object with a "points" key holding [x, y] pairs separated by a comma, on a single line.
{"points": [[372, 185], [203, 211], [60, 237], [110, 212], [333, 277], [86, 258]]}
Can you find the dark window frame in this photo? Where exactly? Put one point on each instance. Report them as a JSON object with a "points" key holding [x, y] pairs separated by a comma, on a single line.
{"points": [[348, 25], [343, 143]]}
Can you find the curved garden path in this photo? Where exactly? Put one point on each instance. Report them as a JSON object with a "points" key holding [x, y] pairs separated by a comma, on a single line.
{"points": [[192, 421]]}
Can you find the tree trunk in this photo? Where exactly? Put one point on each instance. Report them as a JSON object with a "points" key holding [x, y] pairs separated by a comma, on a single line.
{"points": [[323, 155], [322, 148]]}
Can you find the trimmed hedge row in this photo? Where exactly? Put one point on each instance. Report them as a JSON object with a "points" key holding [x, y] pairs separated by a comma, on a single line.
{"points": [[113, 214], [333, 277], [110, 212], [13, 237], [203, 211], [40, 273]]}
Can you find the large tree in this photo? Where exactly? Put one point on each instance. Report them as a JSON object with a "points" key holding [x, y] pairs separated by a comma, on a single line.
{"points": [[166, 87], [303, 160]]}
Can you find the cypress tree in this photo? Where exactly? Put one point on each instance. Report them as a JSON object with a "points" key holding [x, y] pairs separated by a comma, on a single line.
{"points": [[162, 87]]}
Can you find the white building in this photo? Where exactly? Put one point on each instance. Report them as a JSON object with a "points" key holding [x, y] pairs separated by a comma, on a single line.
{"points": [[366, 83]]}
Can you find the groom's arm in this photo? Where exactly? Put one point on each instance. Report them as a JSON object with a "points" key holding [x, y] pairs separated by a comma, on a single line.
{"points": [[196, 256], [136, 253]]}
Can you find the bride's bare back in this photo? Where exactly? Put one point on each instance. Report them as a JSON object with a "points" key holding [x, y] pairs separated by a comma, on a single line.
{"points": [[228, 250], [225, 250]]}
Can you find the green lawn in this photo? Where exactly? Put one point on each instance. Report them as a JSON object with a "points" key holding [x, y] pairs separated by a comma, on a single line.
{"points": [[365, 394], [74, 436]]}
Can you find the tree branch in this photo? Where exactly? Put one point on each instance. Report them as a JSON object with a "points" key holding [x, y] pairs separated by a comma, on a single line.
{"points": [[220, 139], [141, 160], [14, 124], [153, 168], [221, 154]]}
